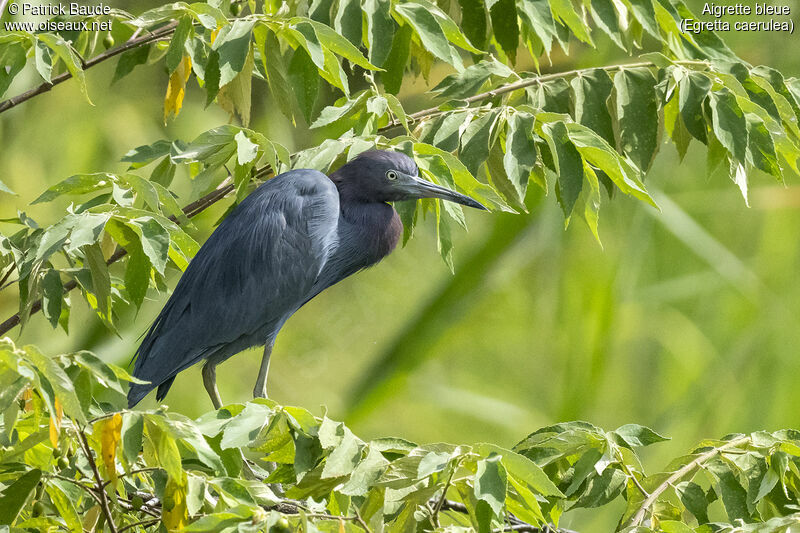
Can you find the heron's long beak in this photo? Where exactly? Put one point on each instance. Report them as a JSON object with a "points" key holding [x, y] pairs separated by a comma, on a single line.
{"points": [[418, 188]]}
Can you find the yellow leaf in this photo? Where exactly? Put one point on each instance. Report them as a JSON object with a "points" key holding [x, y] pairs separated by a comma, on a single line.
{"points": [[55, 422], [214, 34], [109, 440], [174, 513], [27, 398], [177, 88]]}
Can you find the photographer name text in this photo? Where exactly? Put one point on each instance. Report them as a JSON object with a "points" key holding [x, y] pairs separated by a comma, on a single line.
{"points": [[72, 9]]}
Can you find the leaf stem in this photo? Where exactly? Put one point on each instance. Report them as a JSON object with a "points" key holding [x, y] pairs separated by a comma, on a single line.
{"points": [[638, 518]]}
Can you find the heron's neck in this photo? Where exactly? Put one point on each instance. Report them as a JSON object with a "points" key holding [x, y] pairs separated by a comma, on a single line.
{"points": [[376, 223]]}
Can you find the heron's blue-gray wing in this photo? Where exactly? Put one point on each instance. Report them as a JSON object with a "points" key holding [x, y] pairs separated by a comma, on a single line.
{"points": [[253, 272]]}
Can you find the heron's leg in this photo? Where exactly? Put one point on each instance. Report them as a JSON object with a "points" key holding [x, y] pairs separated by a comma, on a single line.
{"points": [[210, 381], [260, 390]]}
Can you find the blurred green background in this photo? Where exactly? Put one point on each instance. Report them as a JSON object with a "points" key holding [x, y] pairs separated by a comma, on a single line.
{"points": [[684, 321]]}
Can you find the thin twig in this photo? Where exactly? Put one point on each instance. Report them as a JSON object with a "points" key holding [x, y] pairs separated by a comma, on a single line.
{"points": [[98, 480], [360, 521], [143, 523], [134, 472], [89, 490], [638, 518], [44, 87], [7, 274], [441, 500], [635, 481]]}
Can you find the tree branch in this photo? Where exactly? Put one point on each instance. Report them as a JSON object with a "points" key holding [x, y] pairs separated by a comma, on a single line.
{"points": [[528, 82], [638, 518], [98, 480], [45, 87]]}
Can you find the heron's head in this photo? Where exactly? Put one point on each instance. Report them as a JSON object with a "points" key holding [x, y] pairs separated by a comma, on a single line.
{"points": [[384, 176]]}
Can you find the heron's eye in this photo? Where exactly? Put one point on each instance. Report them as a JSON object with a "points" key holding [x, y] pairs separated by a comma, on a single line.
{"points": [[391, 174]]}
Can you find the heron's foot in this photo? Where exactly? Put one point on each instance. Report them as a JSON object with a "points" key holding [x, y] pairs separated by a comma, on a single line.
{"points": [[260, 392]]}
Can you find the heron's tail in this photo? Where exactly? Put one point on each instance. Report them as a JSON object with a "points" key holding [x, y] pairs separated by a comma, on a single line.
{"points": [[136, 392]]}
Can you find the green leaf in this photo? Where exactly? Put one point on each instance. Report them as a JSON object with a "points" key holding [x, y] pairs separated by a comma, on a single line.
{"points": [[675, 128], [606, 17], [272, 62], [473, 21], [380, 30], [344, 457], [66, 53], [694, 499], [347, 21], [602, 489], [730, 491], [729, 123], [366, 473], [129, 60], [175, 51], [692, 91], [520, 156], [634, 435], [16, 494], [163, 174], [305, 80], [155, 241], [522, 468], [645, 14], [101, 280], [475, 141], [761, 148], [600, 154], [246, 150], [60, 383], [232, 45], [44, 61], [341, 46], [564, 10], [245, 427], [75, 185], [334, 113], [137, 275], [490, 483], [430, 33], [537, 16], [637, 112], [591, 91], [569, 166], [504, 25], [142, 155], [471, 79], [65, 507], [52, 295], [131, 437], [12, 57], [395, 64]]}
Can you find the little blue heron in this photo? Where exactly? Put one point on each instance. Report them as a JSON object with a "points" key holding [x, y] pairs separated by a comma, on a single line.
{"points": [[293, 237]]}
